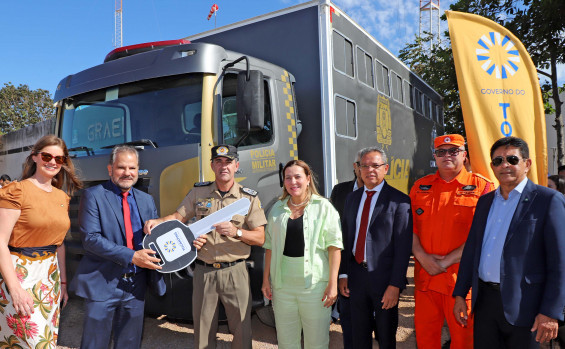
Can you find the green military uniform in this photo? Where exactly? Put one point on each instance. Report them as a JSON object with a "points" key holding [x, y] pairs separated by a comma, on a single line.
{"points": [[222, 274]]}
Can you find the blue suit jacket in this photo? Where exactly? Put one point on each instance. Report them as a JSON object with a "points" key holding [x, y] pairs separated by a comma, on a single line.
{"points": [[532, 267], [104, 240], [389, 238]]}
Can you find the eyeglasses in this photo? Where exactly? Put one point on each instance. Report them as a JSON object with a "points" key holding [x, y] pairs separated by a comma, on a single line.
{"points": [[59, 160], [511, 159], [373, 166], [452, 152]]}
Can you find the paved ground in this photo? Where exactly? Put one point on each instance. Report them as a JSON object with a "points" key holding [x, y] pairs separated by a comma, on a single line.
{"points": [[164, 333], [160, 333]]}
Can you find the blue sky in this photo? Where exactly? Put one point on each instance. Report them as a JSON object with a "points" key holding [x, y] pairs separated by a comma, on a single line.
{"points": [[44, 41]]}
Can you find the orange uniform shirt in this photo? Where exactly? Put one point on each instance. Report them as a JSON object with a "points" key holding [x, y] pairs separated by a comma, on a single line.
{"points": [[443, 212]]}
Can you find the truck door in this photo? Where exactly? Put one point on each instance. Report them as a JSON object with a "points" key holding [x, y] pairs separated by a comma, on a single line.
{"points": [[259, 156]]}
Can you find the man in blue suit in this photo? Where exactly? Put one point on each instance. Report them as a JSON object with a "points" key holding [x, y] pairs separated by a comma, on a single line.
{"points": [[514, 257], [115, 270], [377, 224]]}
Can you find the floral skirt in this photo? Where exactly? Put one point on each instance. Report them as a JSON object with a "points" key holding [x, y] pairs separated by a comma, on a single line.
{"points": [[39, 276]]}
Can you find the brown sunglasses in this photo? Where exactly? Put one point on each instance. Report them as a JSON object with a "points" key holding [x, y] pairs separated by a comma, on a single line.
{"points": [[46, 157]]}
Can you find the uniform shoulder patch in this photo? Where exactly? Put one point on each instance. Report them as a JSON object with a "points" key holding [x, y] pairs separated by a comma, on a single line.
{"points": [[249, 191], [202, 184], [482, 177], [426, 178], [425, 187]]}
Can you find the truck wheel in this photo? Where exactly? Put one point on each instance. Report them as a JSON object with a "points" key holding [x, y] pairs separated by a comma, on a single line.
{"points": [[185, 273], [266, 315]]}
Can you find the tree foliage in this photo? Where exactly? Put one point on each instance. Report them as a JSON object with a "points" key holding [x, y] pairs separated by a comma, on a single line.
{"points": [[435, 65], [20, 107], [540, 27]]}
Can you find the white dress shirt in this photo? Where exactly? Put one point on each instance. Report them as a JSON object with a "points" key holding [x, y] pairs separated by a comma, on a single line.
{"points": [[378, 189]]}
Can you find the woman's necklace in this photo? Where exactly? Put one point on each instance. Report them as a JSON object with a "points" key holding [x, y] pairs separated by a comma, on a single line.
{"points": [[45, 187], [300, 204]]}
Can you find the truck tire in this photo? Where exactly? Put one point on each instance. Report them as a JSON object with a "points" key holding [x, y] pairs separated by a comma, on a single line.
{"points": [[266, 315]]}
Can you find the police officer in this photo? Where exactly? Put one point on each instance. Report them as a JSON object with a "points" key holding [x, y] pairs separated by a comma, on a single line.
{"points": [[220, 271], [443, 205]]}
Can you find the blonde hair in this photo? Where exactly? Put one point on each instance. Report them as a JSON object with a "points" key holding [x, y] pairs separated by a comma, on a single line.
{"points": [[312, 188], [66, 175]]}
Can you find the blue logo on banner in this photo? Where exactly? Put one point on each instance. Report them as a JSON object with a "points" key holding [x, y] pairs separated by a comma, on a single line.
{"points": [[498, 55]]}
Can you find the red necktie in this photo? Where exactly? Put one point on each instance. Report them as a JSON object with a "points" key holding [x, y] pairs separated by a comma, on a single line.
{"points": [[127, 220], [360, 247]]}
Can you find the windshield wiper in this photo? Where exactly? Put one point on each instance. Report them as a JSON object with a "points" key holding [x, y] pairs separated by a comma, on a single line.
{"points": [[138, 144], [88, 151]]}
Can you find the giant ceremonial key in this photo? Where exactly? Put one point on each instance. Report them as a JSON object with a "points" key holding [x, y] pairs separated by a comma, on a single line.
{"points": [[172, 240]]}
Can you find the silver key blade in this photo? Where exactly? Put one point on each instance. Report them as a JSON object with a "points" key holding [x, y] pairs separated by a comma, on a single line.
{"points": [[205, 225]]}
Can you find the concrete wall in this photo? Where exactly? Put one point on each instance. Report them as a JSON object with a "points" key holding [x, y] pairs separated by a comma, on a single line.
{"points": [[15, 146]]}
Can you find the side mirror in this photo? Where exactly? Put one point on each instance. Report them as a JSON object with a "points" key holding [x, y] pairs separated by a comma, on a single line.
{"points": [[250, 101]]}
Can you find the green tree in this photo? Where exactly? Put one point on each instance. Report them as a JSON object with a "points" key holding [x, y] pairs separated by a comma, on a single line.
{"points": [[20, 107], [436, 67], [537, 23]]}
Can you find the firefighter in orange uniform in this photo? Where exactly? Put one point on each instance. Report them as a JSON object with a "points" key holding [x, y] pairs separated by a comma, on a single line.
{"points": [[443, 205]]}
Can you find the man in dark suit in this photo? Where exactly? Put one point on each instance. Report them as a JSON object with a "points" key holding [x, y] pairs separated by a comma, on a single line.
{"points": [[337, 198], [514, 257], [341, 190], [377, 221], [113, 274]]}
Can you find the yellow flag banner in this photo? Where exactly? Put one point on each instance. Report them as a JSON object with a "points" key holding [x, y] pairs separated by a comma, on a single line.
{"points": [[499, 91]]}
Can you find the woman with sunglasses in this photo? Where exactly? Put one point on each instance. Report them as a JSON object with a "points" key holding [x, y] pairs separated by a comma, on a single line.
{"points": [[303, 245], [33, 223]]}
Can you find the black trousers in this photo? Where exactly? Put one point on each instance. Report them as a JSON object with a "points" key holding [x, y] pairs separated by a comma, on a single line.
{"points": [[367, 313], [345, 320], [491, 330]]}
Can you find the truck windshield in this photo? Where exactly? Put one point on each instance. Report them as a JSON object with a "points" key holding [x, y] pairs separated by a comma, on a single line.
{"points": [[158, 113]]}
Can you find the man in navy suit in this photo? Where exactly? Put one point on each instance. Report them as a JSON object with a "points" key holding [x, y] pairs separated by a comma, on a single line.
{"points": [[514, 257], [377, 221], [115, 270]]}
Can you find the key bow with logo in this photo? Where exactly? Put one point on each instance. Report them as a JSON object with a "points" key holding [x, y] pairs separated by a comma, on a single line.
{"points": [[172, 240]]}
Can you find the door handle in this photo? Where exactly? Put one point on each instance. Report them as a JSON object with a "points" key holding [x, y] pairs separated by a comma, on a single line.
{"points": [[281, 181]]}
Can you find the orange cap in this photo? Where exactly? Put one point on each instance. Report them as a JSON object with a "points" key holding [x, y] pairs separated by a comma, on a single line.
{"points": [[453, 139]]}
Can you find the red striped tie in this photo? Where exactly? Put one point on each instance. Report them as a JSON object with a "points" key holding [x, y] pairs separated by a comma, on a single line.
{"points": [[360, 247]]}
